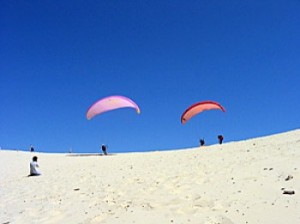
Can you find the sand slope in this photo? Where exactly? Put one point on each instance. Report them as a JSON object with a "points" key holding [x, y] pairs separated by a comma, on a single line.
{"points": [[238, 182]]}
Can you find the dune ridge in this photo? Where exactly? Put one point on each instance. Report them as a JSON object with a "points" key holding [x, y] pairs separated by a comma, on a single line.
{"points": [[252, 181]]}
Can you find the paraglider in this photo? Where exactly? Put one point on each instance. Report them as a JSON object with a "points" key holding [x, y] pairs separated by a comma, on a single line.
{"points": [[198, 108], [110, 103]]}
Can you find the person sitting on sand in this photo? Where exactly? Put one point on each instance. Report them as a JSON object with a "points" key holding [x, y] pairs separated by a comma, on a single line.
{"points": [[34, 167]]}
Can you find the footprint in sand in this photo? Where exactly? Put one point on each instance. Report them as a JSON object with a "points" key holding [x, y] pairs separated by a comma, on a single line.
{"points": [[206, 204], [219, 219]]}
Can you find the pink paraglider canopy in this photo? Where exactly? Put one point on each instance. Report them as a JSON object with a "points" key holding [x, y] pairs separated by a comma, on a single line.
{"points": [[110, 103], [198, 108]]}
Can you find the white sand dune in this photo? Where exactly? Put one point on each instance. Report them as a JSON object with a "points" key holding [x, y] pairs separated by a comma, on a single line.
{"points": [[238, 182]]}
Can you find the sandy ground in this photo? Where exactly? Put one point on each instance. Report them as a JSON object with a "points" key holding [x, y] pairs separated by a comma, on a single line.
{"points": [[237, 182]]}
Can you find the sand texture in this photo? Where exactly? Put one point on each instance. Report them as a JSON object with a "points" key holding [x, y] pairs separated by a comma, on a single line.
{"points": [[250, 181]]}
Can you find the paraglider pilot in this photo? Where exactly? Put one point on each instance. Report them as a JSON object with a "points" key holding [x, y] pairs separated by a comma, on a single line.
{"points": [[104, 149], [202, 142], [220, 138]]}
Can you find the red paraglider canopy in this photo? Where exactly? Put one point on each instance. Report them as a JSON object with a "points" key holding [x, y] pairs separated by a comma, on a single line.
{"points": [[198, 108]]}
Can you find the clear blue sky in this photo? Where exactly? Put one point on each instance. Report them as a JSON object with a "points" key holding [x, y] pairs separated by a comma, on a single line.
{"points": [[58, 57]]}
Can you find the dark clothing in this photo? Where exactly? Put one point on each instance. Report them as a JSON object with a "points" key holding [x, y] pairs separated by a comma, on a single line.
{"points": [[104, 148], [220, 137], [202, 142]]}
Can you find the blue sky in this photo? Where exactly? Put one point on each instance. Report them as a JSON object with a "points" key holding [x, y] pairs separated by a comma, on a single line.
{"points": [[59, 57]]}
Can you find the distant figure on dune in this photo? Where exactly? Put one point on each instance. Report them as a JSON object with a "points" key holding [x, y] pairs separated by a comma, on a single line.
{"points": [[220, 137], [202, 142], [34, 167], [31, 148], [104, 149]]}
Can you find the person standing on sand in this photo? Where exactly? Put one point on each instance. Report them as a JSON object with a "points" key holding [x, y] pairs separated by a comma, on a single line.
{"points": [[31, 148], [220, 137], [104, 149], [202, 142], [34, 167]]}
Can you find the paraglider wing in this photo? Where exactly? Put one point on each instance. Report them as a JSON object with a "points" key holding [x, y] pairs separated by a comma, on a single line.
{"points": [[110, 103], [198, 108]]}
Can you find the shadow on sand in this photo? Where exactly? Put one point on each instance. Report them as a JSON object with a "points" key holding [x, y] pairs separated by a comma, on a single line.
{"points": [[89, 154]]}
